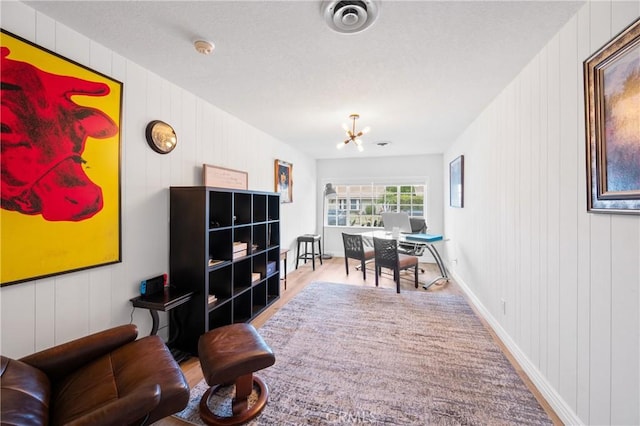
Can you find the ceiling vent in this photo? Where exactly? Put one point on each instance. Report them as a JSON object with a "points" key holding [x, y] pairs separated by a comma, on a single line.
{"points": [[350, 16]]}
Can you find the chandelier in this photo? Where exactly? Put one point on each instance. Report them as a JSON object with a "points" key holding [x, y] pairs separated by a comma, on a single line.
{"points": [[352, 134]]}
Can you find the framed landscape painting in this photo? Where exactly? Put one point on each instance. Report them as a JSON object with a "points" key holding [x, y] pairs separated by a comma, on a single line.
{"points": [[60, 164], [612, 96], [456, 182]]}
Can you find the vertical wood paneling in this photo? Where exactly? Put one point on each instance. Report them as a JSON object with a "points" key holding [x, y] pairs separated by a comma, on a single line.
{"points": [[553, 210], [525, 190], [569, 208], [511, 200], [71, 318], [17, 318], [44, 328], [543, 307], [577, 328], [72, 45], [99, 306], [583, 299], [600, 320], [18, 19], [625, 343], [536, 212], [45, 31]]}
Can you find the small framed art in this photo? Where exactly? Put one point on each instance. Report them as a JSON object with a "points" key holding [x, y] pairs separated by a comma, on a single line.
{"points": [[221, 177], [456, 182], [284, 180]]}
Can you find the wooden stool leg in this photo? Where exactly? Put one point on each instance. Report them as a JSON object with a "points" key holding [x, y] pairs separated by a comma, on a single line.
{"points": [[244, 386]]}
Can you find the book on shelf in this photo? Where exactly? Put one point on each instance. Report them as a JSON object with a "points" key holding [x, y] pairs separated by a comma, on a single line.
{"points": [[239, 254], [212, 298], [239, 246], [214, 262], [255, 276]]}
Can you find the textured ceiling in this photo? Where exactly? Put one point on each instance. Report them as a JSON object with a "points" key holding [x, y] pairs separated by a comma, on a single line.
{"points": [[418, 76]]}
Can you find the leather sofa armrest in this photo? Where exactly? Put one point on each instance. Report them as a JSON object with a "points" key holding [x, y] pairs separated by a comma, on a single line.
{"points": [[58, 361], [127, 410]]}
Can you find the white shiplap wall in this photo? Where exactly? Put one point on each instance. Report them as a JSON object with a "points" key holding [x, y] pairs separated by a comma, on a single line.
{"points": [[39, 314], [570, 279]]}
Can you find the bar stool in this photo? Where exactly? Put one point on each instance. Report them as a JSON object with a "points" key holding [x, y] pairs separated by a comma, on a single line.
{"points": [[309, 239]]}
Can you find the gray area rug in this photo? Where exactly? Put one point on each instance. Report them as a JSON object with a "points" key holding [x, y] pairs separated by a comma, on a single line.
{"points": [[359, 355]]}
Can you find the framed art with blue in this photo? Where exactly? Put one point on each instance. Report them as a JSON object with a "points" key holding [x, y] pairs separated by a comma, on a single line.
{"points": [[612, 99], [456, 182]]}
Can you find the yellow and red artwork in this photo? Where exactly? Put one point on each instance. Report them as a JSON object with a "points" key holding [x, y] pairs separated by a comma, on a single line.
{"points": [[60, 162]]}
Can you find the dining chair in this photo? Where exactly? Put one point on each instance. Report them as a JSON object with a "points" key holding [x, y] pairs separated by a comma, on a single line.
{"points": [[387, 256], [354, 249]]}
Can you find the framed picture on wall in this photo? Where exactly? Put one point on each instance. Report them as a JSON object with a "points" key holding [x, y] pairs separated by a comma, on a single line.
{"points": [[284, 180], [456, 182], [612, 97], [60, 164]]}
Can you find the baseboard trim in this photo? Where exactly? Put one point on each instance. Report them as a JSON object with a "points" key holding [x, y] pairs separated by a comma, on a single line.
{"points": [[562, 409]]}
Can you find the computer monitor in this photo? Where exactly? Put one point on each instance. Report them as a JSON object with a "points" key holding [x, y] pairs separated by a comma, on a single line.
{"points": [[393, 220]]}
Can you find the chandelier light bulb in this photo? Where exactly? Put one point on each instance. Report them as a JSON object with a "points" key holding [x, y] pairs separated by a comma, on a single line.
{"points": [[340, 145]]}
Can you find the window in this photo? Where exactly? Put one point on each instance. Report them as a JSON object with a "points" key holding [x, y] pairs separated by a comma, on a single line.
{"points": [[361, 205]]}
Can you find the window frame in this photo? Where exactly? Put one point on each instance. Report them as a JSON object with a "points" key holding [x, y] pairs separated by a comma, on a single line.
{"points": [[376, 198]]}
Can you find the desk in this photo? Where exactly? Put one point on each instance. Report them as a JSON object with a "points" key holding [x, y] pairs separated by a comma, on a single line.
{"points": [[417, 247]]}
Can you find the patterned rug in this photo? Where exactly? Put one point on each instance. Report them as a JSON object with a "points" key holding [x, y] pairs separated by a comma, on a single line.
{"points": [[360, 355]]}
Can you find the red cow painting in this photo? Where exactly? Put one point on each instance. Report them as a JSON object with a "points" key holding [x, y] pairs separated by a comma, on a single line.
{"points": [[50, 121], [43, 136]]}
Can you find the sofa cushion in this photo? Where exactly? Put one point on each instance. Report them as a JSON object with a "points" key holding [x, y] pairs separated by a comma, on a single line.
{"points": [[24, 395]]}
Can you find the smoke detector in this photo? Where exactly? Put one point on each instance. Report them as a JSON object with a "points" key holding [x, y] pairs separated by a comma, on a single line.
{"points": [[350, 16], [203, 46]]}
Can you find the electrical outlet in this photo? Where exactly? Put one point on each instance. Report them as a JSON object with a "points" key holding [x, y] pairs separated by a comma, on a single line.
{"points": [[504, 306]]}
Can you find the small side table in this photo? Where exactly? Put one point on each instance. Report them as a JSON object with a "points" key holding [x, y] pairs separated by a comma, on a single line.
{"points": [[165, 301], [283, 257]]}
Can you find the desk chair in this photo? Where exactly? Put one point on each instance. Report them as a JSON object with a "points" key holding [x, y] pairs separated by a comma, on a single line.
{"points": [[387, 256], [418, 225], [354, 249]]}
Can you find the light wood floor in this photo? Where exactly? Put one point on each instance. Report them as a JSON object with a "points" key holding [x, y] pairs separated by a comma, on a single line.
{"points": [[333, 270]]}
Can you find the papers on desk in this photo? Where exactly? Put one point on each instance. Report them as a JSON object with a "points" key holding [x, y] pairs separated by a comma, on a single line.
{"points": [[423, 238]]}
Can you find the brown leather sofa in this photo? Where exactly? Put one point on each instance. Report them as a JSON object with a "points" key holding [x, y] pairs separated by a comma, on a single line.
{"points": [[107, 378]]}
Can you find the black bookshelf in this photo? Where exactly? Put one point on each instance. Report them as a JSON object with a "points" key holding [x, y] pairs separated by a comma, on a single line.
{"points": [[224, 243]]}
